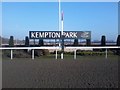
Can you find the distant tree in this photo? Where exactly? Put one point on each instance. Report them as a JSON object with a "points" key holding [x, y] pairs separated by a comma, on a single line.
{"points": [[103, 41], [11, 41], [88, 42], [118, 40], [26, 41], [118, 44], [41, 43], [23, 41], [75, 42], [0, 40], [34, 42]]}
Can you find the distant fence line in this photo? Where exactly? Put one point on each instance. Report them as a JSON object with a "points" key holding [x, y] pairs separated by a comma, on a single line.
{"points": [[80, 43], [56, 42]]}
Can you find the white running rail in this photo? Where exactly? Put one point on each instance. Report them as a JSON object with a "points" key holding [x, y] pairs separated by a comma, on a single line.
{"points": [[59, 48]]}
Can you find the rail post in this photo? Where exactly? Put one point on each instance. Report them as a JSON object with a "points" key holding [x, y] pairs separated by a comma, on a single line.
{"points": [[106, 54], [75, 54], [11, 54], [33, 54], [56, 54]]}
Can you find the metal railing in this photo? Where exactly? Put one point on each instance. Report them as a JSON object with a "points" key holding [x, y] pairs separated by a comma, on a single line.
{"points": [[58, 48]]}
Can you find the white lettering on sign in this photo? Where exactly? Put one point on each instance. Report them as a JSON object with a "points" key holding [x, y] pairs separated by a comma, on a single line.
{"points": [[75, 34], [37, 35], [66, 35], [53, 35], [70, 34], [57, 34], [46, 34], [32, 35], [41, 35]]}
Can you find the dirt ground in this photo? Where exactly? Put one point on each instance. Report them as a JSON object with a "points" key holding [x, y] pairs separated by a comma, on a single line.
{"points": [[84, 72]]}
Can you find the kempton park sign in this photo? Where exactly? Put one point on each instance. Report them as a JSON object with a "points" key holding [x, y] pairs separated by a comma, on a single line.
{"points": [[59, 35]]}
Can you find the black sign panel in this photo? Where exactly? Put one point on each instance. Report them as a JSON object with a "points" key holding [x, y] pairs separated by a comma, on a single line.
{"points": [[58, 35]]}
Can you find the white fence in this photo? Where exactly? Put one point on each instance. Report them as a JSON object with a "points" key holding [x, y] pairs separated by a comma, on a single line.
{"points": [[59, 48]]}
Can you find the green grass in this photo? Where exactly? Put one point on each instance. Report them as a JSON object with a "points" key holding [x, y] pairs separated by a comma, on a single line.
{"points": [[67, 57]]}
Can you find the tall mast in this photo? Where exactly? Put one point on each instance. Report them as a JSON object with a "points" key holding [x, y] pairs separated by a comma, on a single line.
{"points": [[59, 15], [59, 18], [62, 24], [61, 29]]}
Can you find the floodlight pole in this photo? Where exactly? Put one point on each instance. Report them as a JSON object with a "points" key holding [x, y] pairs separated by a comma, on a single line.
{"points": [[62, 42], [59, 19], [61, 22]]}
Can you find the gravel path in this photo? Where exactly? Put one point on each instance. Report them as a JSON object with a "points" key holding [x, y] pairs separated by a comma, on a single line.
{"points": [[81, 73]]}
